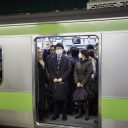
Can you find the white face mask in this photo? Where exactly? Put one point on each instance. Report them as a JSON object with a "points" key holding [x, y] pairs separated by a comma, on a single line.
{"points": [[59, 52], [80, 56]]}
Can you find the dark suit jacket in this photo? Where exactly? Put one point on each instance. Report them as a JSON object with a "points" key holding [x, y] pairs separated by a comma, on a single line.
{"points": [[61, 90]]}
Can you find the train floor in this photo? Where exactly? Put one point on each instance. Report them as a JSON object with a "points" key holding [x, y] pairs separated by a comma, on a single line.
{"points": [[71, 121]]}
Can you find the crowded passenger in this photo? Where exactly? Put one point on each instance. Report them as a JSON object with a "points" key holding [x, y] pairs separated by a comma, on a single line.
{"points": [[42, 80], [74, 59], [60, 67], [90, 49], [82, 74], [49, 88], [93, 81], [52, 52], [64, 73]]}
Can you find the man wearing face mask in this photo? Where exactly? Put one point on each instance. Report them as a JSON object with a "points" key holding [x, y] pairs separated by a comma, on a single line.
{"points": [[60, 67]]}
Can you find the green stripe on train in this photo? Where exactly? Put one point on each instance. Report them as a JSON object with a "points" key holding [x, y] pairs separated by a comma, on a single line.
{"points": [[116, 109], [56, 28], [16, 101]]}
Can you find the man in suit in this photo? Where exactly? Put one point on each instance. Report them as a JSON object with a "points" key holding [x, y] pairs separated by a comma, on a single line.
{"points": [[49, 89], [59, 69]]}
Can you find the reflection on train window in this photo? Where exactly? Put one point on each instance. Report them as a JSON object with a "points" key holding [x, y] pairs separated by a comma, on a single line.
{"points": [[55, 92], [0, 65], [67, 41]]}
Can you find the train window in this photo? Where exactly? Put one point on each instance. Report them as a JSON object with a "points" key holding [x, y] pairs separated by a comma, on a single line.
{"points": [[54, 91], [0, 65], [67, 41]]}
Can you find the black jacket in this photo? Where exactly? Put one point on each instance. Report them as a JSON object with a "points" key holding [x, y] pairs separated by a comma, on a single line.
{"points": [[61, 90]]}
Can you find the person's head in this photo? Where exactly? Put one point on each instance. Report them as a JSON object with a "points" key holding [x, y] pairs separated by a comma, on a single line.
{"points": [[90, 47], [74, 51], [39, 53], [69, 53], [52, 49], [91, 53], [59, 49], [83, 54]]}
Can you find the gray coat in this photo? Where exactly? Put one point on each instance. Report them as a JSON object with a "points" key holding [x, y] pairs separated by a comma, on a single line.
{"points": [[83, 71]]}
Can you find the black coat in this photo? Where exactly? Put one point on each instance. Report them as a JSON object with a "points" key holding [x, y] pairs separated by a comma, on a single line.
{"points": [[60, 91], [42, 80], [82, 73], [74, 60], [42, 75]]}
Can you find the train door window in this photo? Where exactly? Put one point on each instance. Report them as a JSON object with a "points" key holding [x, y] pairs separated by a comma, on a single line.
{"points": [[0, 65], [58, 83]]}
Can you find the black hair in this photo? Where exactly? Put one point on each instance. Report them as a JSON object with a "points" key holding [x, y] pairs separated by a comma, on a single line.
{"points": [[53, 46], [60, 45], [91, 53], [96, 45], [74, 51], [68, 52], [90, 46], [85, 53]]}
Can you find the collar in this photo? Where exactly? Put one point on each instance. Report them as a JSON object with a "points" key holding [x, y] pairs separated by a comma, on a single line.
{"points": [[59, 56]]}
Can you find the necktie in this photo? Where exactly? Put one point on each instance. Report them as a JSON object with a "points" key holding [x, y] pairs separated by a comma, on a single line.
{"points": [[58, 62]]}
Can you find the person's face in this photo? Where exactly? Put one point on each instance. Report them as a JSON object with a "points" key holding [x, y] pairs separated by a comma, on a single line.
{"points": [[80, 55], [52, 50], [59, 50], [39, 54]]}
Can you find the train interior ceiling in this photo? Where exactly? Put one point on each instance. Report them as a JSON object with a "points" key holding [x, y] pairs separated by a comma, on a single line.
{"points": [[88, 111]]}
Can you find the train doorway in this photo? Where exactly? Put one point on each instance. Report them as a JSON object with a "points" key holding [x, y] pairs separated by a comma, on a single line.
{"points": [[78, 113]]}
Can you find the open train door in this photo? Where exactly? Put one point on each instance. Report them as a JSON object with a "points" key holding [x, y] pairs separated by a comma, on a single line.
{"points": [[80, 41]]}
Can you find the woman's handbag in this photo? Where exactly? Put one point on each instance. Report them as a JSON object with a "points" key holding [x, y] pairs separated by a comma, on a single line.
{"points": [[80, 95]]}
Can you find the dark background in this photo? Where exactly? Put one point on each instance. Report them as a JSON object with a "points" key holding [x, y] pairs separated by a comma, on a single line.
{"points": [[31, 11], [34, 6]]}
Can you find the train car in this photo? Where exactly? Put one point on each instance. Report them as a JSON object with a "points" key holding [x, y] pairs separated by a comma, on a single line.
{"points": [[18, 45]]}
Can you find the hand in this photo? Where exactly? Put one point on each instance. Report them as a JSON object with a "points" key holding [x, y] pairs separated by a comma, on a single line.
{"points": [[55, 80], [93, 76], [60, 80], [78, 84]]}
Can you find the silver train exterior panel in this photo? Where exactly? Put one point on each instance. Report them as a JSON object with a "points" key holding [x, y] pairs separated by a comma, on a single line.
{"points": [[17, 90]]}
